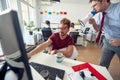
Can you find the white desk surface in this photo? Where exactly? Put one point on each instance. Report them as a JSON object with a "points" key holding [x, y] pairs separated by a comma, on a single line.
{"points": [[50, 60]]}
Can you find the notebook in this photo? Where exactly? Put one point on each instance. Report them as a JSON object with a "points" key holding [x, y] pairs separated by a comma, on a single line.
{"points": [[92, 70], [53, 72]]}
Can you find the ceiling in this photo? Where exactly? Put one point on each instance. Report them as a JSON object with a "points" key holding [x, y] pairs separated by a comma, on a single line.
{"points": [[47, 2], [72, 1], [82, 1], [75, 1]]}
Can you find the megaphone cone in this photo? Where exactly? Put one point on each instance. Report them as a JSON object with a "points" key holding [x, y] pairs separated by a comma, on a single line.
{"points": [[82, 22], [88, 16]]}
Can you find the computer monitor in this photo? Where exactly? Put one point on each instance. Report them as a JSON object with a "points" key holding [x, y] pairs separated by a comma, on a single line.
{"points": [[13, 45]]}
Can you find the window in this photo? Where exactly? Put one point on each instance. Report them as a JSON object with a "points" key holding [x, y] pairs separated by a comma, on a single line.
{"points": [[24, 12], [27, 11], [4, 4], [1, 52], [30, 2]]}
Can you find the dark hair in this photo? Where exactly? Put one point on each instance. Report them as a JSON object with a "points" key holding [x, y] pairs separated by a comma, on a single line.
{"points": [[72, 25], [47, 22], [65, 21], [99, 0]]}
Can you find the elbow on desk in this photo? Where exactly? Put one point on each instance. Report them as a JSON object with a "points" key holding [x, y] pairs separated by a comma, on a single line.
{"points": [[68, 55]]}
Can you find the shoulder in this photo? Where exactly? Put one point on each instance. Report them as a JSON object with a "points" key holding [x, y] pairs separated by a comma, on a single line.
{"points": [[46, 28], [115, 6], [54, 35], [69, 37]]}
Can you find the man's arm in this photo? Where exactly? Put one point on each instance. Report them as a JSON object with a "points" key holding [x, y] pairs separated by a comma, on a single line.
{"points": [[40, 47], [95, 26], [67, 52]]}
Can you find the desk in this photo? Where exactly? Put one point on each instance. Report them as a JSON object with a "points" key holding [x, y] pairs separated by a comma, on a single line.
{"points": [[50, 60]]}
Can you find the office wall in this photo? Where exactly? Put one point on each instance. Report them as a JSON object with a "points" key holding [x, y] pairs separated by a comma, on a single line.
{"points": [[74, 11]]}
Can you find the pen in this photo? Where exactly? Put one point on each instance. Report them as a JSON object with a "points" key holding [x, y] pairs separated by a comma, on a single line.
{"points": [[82, 74]]}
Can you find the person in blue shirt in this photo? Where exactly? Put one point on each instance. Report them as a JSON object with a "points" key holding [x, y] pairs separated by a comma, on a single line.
{"points": [[47, 26], [46, 30], [111, 28]]}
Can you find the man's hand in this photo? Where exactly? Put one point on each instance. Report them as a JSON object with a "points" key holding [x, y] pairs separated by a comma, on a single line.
{"points": [[53, 52], [115, 42], [92, 21]]}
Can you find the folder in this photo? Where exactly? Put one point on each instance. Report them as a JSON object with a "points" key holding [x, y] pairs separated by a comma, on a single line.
{"points": [[92, 70]]}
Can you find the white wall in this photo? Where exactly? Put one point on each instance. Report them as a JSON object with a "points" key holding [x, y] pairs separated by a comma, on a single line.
{"points": [[37, 17], [74, 11]]}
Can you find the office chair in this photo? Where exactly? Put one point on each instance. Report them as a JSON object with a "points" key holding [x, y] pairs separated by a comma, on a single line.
{"points": [[46, 34], [74, 35], [83, 34], [86, 30]]}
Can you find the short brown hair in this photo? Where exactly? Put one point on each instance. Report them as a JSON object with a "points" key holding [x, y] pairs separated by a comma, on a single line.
{"points": [[66, 22]]}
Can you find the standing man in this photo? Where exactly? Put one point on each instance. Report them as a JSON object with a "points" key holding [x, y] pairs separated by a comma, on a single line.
{"points": [[111, 28], [61, 42]]}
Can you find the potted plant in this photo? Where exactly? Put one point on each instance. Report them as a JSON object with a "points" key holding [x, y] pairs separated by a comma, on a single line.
{"points": [[37, 28], [30, 26]]}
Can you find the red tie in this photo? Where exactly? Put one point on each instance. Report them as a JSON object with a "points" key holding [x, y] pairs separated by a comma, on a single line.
{"points": [[100, 31]]}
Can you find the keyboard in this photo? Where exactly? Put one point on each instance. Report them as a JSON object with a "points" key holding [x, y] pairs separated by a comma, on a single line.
{"points": [[53, 71]]}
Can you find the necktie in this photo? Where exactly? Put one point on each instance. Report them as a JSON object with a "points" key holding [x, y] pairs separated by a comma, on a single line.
{"points": [[100, 31]]}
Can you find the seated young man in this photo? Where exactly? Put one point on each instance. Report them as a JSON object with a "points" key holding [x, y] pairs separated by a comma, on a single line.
{"points": [[61, 42]]}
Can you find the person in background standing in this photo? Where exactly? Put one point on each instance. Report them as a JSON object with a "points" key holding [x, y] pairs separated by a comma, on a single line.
{"points": [[111, 28]]}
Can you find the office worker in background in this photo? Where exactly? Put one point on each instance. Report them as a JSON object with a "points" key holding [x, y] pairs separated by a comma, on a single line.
{"points": [[61, 42], [73, 33], [72, 29], [47, 25], [111, 28], [46, 30]]}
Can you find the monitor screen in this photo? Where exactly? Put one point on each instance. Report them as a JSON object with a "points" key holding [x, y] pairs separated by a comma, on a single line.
{"points": [[12, 45]]}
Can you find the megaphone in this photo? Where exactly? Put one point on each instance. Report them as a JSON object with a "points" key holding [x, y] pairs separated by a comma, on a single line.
{"points": [[88, 16]]}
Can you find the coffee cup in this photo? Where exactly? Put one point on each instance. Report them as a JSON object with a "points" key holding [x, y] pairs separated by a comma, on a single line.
{"points": [[60, 57]]}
